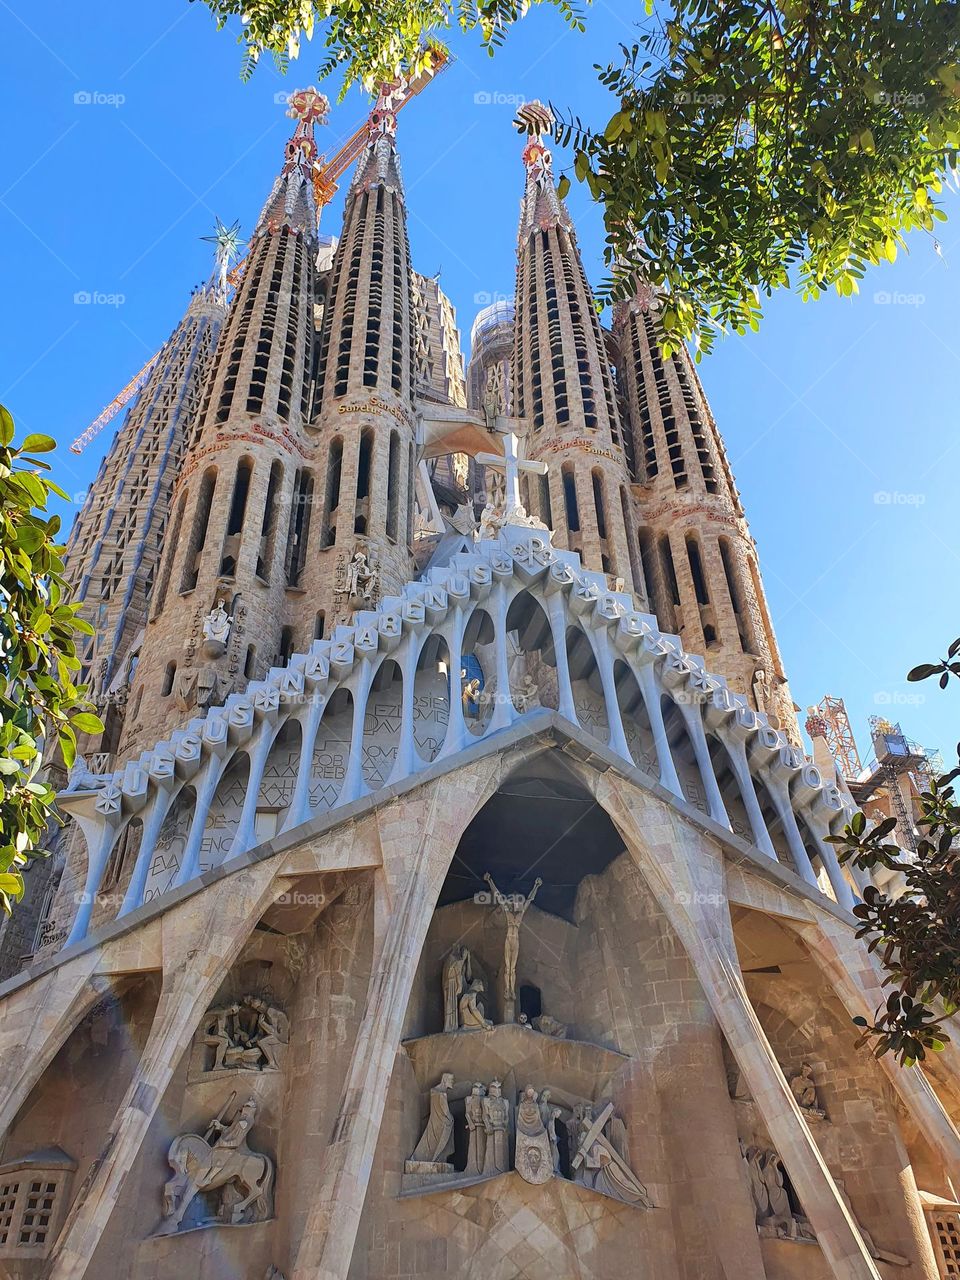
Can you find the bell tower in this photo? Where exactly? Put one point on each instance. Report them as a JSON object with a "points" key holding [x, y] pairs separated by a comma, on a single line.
{"points": [[699, 560], [237, 539], [563, 384], [364, 429]]}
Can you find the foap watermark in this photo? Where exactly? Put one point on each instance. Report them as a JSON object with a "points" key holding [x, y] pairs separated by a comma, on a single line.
{"points": [[884, 298], [282, 98], [900, 98], [886, 699], [699, 899], [497, 98], [894, 498], [483, 298], [97, 98], [685, 98], [94, 298]]}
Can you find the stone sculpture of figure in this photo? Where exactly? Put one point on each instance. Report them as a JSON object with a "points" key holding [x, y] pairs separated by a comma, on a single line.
{"points": [[244, 1178], [362, 577], [514, 909], [527, 693], [805, 1090], [216, 629], [548, 1025], [781, 1215], [217, 1034], [492, 398], [476, 1135], [436, 1144], [597, 1163], [471, 1015], [761, 689], [456, 974], [752, 1158], [273, 1032], [550, 1115], [209, 687], [496, 1126], [534, 1156]]}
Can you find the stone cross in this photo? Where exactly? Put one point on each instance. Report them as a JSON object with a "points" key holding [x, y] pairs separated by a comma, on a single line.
{"points": [[511, 464]]}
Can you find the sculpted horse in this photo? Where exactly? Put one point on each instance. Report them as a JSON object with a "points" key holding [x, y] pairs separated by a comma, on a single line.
{"points": [[199, 1167]]}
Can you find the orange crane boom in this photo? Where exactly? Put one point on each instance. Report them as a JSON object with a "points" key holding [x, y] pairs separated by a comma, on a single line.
{"points": [[326, 173]]}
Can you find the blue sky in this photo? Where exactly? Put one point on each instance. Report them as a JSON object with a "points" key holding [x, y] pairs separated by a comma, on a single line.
{"points": [[840, 417]]}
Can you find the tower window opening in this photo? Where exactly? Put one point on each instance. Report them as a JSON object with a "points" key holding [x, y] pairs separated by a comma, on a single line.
{"points": [[238, 507], [198, 536], [546, 515], [733, 591], [570, 499], [286, 647], [168, 561], [166, 688], [696, 570], [268, 527], [250, 662], [598, 503], [299, 526], [393, 486], [331, 498], [318, 624], [669, 572]]}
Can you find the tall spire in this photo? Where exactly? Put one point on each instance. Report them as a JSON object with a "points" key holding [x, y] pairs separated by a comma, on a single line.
{"points": [[563, 387], [291, 202], [242, 496], [366, 380], [116, 542]]}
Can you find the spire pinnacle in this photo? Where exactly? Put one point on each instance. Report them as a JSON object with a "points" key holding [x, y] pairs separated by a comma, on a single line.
{"points": [[228, 242], [291, 202], [541, 207]]}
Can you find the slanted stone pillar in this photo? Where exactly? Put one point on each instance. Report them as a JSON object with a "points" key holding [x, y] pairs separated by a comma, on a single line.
{"points": [[685, 872], [419, 835], [201, 939]]}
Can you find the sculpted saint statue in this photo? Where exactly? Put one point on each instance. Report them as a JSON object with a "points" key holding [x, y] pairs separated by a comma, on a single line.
{"points": [[476, 1135], [805, 1090], [514, 909], [456, 974], [436, 1144], [216, 625], [496, 1126], [534, 1156], [471, 1015]]}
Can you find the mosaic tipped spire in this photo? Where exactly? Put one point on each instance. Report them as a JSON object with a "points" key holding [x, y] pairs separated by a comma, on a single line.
{"points": [[291, 203], [541, 207]]}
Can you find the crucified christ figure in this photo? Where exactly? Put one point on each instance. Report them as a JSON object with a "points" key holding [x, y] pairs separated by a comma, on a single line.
{"points": [[514, 908]]}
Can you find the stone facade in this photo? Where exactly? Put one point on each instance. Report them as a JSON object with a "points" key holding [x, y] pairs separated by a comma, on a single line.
{"points": [[460, 923]]}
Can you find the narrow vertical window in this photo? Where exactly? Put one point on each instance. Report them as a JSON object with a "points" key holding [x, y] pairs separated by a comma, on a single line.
{"points": [[393, 486], [268, 528], [299, 526], [331, 493], [238, 508], [570, 499], [696, 570], [198, 535], [166, 687], [598, 504], [171, 551]]}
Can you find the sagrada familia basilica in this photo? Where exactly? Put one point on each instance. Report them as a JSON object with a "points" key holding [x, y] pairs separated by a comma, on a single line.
{"points": [[449, 894]]}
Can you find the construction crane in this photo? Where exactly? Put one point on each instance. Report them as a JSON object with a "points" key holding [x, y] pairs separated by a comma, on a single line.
{"points": [[325, 186]]}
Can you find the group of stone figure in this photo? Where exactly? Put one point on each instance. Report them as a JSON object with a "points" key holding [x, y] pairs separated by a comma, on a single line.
{"points": [[250, 1034], [771, 1201], [462, 992], [596, 1140]]}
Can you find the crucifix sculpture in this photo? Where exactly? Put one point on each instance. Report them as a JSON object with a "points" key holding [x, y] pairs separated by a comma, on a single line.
{"points": [[510, 511]]}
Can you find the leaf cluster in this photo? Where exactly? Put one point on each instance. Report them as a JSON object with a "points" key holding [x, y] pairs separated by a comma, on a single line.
{"points": [[759, 145], [916, 935], [371, 43], [38, 700]]}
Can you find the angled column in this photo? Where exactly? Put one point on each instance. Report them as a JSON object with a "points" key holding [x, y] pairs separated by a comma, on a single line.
{"points": [[685, 874]]}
